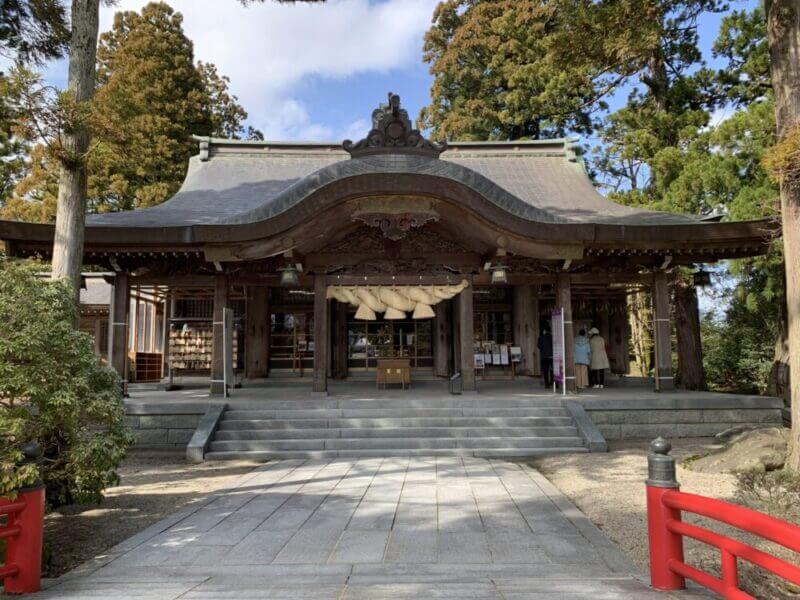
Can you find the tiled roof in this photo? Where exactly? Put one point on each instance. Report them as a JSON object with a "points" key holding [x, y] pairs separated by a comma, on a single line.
{"points": [[244, 182]]}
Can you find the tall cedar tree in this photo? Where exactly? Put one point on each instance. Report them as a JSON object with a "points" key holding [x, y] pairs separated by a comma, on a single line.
{"points": [[149, 100], [72, 186], [662, 52], [508, 70], [73, 178], [148, 104], [493, 77], [783, 33]]}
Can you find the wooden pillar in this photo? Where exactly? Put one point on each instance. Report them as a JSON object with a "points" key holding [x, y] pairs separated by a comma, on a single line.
{"points": [[455, 337], [525, 317], [618, 336], [663, 333], [339, 342], [603, 320], [442, 329], [320, 384], [165, 333], [118, 327], [217, 351], [564, 300], [256, 333], [466, 341]]}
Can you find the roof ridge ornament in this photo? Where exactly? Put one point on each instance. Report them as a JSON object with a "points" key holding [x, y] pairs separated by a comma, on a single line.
{"points": [[392, 133]]}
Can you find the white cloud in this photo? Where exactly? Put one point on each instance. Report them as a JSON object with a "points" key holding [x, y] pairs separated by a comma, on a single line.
{"points": [[269, 49]]}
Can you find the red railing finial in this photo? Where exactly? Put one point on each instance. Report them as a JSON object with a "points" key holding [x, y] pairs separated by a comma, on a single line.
{"points": [[665, 546]]}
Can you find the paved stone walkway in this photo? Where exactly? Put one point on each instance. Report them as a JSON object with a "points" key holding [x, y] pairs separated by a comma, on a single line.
{"points": [[373, 528]]}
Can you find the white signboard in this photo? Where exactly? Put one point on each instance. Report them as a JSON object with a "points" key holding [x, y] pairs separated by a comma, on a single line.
{"points": [[559, 362], [503, 354]]}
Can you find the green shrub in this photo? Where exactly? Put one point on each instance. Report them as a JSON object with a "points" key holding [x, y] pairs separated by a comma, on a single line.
{"points": [[774, 492], [54, 390]]}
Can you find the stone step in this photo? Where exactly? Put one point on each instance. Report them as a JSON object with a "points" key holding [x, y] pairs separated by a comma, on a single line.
{"points": [[228, 424], [335, 413], [395, 443], [416, 432], [398, 402], [329, 454]]}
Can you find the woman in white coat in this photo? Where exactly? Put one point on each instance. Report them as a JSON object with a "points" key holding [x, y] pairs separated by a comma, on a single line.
{"points": [[599, 361]]}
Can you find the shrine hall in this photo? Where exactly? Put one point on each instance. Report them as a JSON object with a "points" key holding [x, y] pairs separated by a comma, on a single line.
{"points": [[329, 258]]}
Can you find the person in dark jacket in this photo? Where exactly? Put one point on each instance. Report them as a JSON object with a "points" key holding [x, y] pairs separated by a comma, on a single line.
{"points": [[545, 344]]}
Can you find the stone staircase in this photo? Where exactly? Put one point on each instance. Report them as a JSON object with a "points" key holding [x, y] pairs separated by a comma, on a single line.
{"points": [[399, 426]]}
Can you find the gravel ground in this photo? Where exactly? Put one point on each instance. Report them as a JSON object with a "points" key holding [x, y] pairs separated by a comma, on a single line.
{"points": [[609, 488], [153, 486]]}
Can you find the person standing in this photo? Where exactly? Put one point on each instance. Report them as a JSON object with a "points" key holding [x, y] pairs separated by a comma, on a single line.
{"points": [[545, 345], [599, 359], [583, 354]]}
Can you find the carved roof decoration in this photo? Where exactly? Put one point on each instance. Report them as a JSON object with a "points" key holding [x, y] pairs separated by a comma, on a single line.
{"points": [[393, 133]]}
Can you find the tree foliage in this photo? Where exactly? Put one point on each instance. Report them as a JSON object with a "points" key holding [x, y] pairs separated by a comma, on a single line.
{"points": [[151, 98], [33, 30], [53, 390], [494, 76]]}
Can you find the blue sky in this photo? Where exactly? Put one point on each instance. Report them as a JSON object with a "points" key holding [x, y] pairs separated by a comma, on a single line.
{"points": [[316, 71]]}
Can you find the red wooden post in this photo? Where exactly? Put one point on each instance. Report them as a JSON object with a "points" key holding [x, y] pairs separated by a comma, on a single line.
{"points": [[665, 546], [24, 548]]}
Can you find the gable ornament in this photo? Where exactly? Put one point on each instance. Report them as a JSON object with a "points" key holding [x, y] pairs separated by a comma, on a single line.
{"points": [[392, 133]]}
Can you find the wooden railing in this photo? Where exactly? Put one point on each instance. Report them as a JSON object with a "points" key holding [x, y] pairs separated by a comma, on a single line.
{"points": [[665, 504], [22, 532]]}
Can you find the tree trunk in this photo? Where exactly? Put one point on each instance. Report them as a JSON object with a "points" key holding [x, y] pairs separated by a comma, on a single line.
{"points": [[687, 325], [641, 324], [71, 210], [778, 382], [783, 32]]}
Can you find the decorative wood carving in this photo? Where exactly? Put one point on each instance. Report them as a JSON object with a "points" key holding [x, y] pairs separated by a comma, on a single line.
{"points": [[395, 216], [417, 242], [392, 132]]}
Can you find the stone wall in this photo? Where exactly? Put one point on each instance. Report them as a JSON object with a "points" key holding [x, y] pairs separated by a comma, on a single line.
{"points": [[164, 427], [675, 417]]}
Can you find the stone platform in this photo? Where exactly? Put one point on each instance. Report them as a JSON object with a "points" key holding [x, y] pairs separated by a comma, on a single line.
{"points": [[369, 528], [499, 411]]}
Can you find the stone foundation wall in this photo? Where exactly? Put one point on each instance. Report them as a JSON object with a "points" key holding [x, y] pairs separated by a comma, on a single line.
{"points": [[619, 420], [156, 430]]}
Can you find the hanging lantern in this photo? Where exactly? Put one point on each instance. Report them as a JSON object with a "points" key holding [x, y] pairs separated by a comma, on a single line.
{"points": [[290, 276], [365, 313], [392, 314], [423, 311], [499, 273], [702, 278]]}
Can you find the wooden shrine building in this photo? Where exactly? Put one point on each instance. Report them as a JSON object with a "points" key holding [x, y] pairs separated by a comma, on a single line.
{"points": [[327, 252]]}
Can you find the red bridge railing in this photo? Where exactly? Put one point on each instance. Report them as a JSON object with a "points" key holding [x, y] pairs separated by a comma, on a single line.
{"points": [[665, 503], [22, 531]]}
